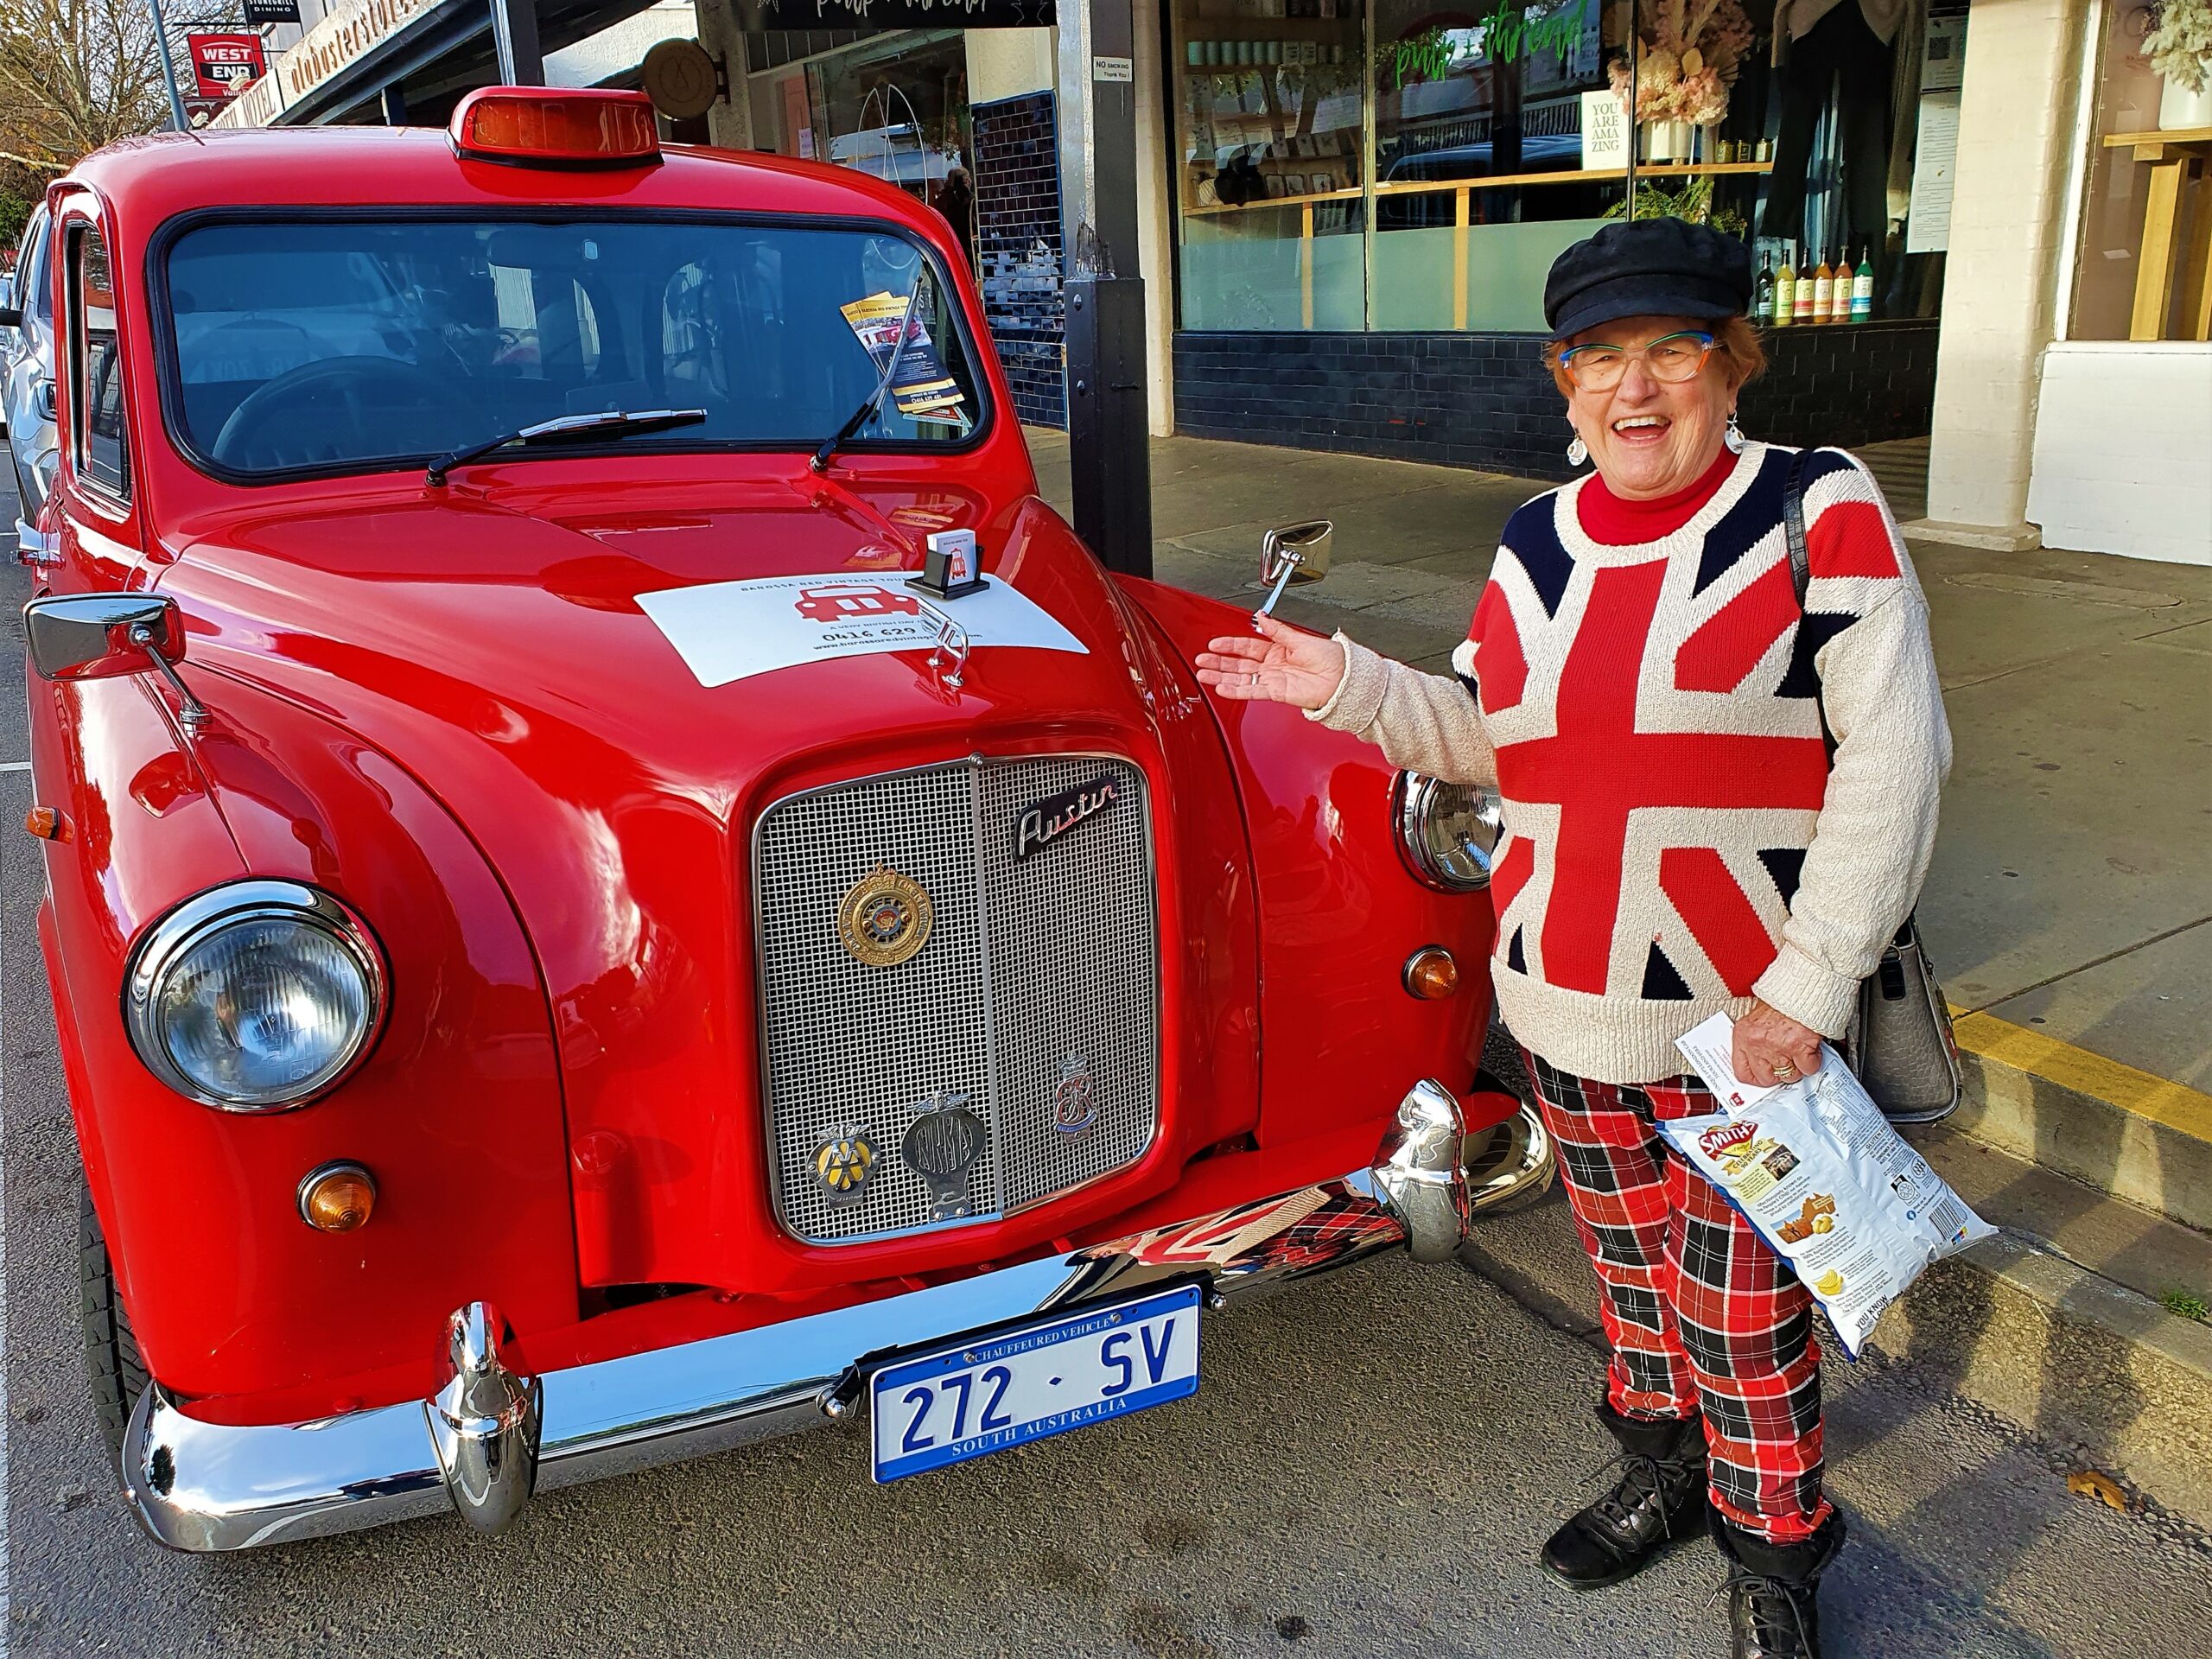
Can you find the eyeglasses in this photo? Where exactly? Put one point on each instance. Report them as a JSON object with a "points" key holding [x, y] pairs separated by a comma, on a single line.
{"points": [[1673, 358]]}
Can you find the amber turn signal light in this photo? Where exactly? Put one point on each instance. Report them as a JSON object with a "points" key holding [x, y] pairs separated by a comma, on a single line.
{"points": [[43, 822], [337, 1198], [1431, 974]]}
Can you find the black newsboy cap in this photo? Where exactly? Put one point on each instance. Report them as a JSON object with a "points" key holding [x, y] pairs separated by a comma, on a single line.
{"points": [[1648, 267]]}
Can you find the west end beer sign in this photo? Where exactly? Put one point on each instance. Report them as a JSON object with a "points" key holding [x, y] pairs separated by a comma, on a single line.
{"points": [[223, 64]]}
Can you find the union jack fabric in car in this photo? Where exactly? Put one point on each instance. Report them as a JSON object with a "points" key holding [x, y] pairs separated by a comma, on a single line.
{"points": [[1650, 712], [1702, 1317]]}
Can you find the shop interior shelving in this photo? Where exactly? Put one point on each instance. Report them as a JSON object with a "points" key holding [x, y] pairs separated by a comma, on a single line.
{"points": [[2173, 155], [1462, 187]]}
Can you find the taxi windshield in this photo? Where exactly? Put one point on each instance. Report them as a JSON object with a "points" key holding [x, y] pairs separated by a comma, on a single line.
{"points": [[363, 345]]}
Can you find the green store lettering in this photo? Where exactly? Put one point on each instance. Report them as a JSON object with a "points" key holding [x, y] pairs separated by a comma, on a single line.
{"points": [[1508, 34]]}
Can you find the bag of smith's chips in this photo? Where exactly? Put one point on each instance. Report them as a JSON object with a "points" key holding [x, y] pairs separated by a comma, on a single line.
{"points": [[1817, 1169]]}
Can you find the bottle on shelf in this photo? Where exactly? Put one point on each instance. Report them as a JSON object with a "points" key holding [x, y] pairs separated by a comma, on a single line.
{"points": [[1763, 290], [1862, 286], [1785, 295], [1801, 307], [1823, 291]]}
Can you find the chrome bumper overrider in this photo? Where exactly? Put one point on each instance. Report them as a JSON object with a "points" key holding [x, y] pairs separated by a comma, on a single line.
{"points": [[488, 1436]]}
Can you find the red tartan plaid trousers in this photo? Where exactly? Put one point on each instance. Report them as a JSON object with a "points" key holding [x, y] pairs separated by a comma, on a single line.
{"points": [[1701, 1315]]}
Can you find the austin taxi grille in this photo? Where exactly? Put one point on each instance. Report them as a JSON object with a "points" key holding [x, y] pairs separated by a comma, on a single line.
{"points": [[1036, 965]]}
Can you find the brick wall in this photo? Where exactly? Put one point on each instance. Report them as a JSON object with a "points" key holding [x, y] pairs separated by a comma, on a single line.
{"points": [[1018, 249], [1487, 401]]}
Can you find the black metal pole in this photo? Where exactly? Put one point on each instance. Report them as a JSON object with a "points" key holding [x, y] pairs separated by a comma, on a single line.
{"points": [[514, 35], [1109, 439], [395, 105], [168, 68]]}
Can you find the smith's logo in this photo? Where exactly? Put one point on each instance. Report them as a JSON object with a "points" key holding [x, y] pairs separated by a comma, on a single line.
{"points": [[1719, 1140], [1046, 821]]}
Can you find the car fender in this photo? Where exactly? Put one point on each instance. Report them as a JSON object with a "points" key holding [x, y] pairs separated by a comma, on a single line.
{"points": [[1340, 912], [456, 1112]]}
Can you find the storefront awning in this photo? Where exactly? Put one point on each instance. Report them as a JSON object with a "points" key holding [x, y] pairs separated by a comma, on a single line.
{"points": [[435, 50], [906, 14]]}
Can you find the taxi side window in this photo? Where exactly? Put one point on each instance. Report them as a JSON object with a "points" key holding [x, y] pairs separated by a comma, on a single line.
{"points": [[100, 434]]}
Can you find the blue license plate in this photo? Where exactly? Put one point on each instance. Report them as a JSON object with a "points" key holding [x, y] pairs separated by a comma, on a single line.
{"points": [[972, 1398]]}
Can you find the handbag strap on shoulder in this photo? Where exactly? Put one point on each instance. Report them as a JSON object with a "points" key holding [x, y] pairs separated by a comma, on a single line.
{"points": [[1793, 520], [1800, 563]]}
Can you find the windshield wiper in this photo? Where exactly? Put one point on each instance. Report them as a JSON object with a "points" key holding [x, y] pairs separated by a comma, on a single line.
{"points": [[566, 428], [836, 440]]}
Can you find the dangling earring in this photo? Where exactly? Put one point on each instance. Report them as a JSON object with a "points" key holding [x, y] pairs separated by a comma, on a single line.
{"points": [[1733, 437], [1577, 451]]}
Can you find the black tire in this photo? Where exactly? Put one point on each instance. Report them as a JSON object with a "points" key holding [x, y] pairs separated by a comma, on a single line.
{"points": [[112, 1368]]}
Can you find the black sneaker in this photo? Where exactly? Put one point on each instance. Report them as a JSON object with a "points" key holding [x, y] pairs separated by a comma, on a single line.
{"points": [[1658, 1499], [1773, 1589]]}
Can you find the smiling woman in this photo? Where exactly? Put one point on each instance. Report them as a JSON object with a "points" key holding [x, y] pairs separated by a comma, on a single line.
{"points": [[1654, 432], [1718, 773]]}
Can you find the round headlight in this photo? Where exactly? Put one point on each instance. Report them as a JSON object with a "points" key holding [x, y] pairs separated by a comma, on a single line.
{"points": [[1447, 831], [255, 997]]}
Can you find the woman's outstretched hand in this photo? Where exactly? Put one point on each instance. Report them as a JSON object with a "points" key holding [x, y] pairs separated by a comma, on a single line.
{"points": [[1770, 1047], [1280, 663]]}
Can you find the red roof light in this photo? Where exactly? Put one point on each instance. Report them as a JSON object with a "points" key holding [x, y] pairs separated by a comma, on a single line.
{"points": [[530, 125]]}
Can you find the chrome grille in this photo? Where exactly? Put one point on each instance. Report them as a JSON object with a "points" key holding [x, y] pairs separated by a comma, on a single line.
{"points": [[1028, 963]]}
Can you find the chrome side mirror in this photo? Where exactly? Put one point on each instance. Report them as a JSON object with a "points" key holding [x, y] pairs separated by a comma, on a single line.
{"points": [[1294, 553], [100, 636]]}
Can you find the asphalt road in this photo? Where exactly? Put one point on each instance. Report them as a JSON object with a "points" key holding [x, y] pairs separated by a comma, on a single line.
{"points": [[1368, 1468]]}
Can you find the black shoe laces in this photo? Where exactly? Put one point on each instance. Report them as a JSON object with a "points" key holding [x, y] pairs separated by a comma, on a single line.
{"points": [[1776, 1618], [1642, 1479]]}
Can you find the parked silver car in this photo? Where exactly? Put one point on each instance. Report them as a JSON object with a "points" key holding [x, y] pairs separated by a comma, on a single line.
{"points": [[27, 379]]}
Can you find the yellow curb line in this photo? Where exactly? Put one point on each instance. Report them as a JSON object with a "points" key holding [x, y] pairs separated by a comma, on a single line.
{"points": [[2174, 1105]]}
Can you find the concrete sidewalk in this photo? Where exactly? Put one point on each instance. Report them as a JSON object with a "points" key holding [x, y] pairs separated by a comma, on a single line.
{"points": [[2069, 910]]}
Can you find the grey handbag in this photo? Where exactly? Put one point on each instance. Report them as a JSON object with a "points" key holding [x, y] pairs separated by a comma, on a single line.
{"points": [[1900, 1043]]}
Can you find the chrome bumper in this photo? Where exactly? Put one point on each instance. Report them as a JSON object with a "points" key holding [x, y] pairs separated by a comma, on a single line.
{"points": [[488, 1436]]}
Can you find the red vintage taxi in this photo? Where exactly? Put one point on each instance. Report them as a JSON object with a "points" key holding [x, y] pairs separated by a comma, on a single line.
{"points": [[570, 950]]}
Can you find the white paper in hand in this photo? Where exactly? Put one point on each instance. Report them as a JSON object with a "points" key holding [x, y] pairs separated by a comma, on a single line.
{"points": [[1825, 1179]]}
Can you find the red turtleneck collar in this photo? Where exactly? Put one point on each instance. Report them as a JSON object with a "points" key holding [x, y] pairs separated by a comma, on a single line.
{"points": [[1606, 517]]}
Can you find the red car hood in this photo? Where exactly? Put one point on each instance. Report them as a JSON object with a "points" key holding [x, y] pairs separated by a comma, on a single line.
{"points": [[498, 651]]}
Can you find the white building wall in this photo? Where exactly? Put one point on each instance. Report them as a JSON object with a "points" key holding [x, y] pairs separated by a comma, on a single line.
{"points": [[729, 122], [1008, 62], [618, 50], [2123, 434], [2010, 200]]}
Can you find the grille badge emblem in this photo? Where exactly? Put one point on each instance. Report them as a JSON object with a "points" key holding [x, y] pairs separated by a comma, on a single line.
{"points": [[1074, 1109], [1042, 823], [843, 1163], [885, 917], [941, 1145]]}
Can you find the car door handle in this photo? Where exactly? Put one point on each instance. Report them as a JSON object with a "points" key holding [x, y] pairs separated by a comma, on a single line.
{"points": [[43, 400]]}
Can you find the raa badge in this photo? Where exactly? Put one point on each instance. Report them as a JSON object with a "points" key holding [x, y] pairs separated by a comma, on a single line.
{"points": [[885, 918], [844, 1161], [941, 1145]]}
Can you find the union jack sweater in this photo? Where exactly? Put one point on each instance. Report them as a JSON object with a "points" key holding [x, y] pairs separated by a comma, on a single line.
{"points": [[1677, 838]]}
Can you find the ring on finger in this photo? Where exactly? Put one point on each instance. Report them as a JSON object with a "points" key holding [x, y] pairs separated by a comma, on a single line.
{"points": [[1785, 1071]]}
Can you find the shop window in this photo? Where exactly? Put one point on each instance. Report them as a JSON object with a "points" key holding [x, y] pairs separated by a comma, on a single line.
{"points": [[103, 435], [2145, 248], [1272, 163], [1387, 165], [1480, 181]]}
